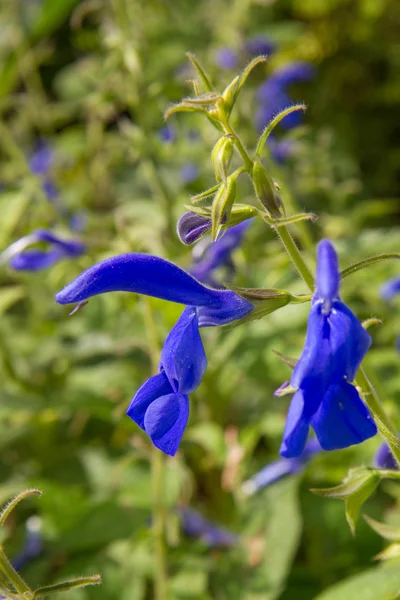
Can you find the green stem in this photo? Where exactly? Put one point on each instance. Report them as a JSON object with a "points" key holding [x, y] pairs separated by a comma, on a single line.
{"points": [[158, 473], [295, 256], [14, 578]]}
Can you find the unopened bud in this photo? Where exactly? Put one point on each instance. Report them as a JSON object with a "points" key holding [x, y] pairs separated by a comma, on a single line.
{"points": [[229, 94], [221, 157], [222, 206], [265, 190]]}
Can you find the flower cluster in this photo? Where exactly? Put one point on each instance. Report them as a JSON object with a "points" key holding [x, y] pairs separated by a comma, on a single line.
{"points": [[161, 406], [335, 345]]}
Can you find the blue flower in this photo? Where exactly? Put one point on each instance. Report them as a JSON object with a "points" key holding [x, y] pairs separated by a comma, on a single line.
{"points": [[274, 471], [273, 96], [189, 173], [259, 46], [41, 163], [335, 345], [167, 134], [161, 406], [390, 289], [33, 545], [384, 459], [226, 58], [281, 150], [21, 258], [195, 525]]}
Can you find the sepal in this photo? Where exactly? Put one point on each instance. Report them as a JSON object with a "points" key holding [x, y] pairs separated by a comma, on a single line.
{"points": [[388, 532], [221, 156], [265, 301], [265, 190], [357, 487], [222, 206]]}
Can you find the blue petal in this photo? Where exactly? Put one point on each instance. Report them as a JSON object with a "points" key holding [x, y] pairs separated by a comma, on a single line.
{"points": [[69, 247], [183, 358], [165, 421], [390, 289], [297, 425], [342, 419], [327, 277], [35, 260], [315, 368], [384, 458], [153, 388], [154, 276], [349, 340]]}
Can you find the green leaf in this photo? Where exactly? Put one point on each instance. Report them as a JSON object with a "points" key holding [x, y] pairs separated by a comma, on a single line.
{"points": [[52, 16], [275, 121], [375, 584], [65, 586], [392, 551], [386, 531], [202, 74], [9, 296]]}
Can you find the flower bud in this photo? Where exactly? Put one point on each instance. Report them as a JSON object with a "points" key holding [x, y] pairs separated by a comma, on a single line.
{"points": [[222, 206], [221, 157], [265, 191], [191, 227]]}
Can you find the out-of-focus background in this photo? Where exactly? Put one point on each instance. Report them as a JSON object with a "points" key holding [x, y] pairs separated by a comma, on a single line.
{"points": [[85, 152]]}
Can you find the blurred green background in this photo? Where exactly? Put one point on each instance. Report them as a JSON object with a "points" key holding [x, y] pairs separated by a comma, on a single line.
{"points": [[93, 79]]}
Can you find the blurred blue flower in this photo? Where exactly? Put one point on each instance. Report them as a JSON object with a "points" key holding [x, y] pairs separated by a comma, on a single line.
{"points": [[33, 544], [274, 471], [390, 289], [226, 58], [161, 406], [41, 163], [281, 150], [195, 525], [384, 459], [189, 172], [273, 95], [167, 134], [209, 256], [335, 345], [259, 45], [21, 258]]}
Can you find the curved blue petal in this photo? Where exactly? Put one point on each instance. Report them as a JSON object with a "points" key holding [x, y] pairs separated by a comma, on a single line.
{"points": [[297, 426], [154, 276], [35, 260], [165, 421], [327, 278], [69, 247], [315, 368], [342, 418], [183, 358], [153, 388], [349, 340]]}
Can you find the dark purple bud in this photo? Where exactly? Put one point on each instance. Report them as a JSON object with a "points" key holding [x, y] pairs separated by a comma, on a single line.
{"points": [[191, 227], [384, 459]]}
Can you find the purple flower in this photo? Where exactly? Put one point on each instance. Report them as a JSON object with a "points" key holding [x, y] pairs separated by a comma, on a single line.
{"points": [[161, 406], [33, 545], [384, 459], [335, 345], [273, 95], [191, 227], [226, 58], [274, 471], [281, 150], [41, 163], [195, 525], [21, 258], [189, 173], [167, 134], [390, 289]]}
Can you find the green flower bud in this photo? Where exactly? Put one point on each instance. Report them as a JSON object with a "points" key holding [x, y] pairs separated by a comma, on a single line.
{"points": [[222, 206], [221, 157], [265, 190]]}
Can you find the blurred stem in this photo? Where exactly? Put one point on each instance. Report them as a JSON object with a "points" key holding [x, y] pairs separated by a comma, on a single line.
{"points": [[11, 574], [158, 472], [371, 398]]}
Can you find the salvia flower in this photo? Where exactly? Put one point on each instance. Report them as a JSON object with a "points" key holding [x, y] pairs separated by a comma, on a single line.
{"points": [[33, 544], [390, 289], [259, 45], [384, 459], [281, 150], [161, 406], [273, 95], [23, 258], [226, 58], [191, 227], [195, 525], [278, 469], [335, 345], [189, 172], [41, 163]]}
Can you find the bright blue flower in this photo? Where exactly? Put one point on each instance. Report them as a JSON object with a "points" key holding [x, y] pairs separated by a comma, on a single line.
{"points": [[390, 289], [273, 95], [161, 406], [384, 459], [195, 525], [21, 258], [274, 471], [335, 345], [189, 172], [226, 58]]}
